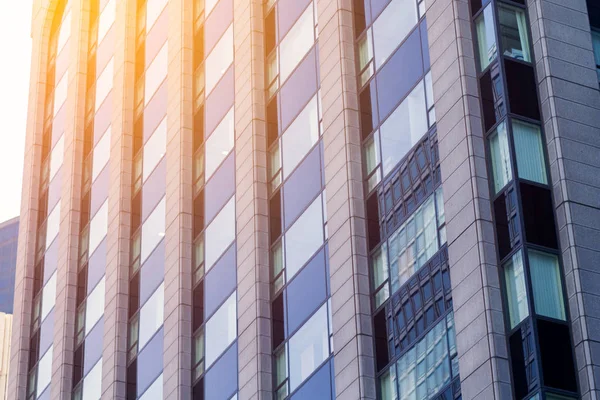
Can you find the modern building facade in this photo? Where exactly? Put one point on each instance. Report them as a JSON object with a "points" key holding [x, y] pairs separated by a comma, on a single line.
{"points": [[5, 332], [9, 236], [295, 199]]}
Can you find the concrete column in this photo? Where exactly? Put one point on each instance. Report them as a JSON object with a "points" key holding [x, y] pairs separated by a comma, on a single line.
{"points": [[481, 342]]}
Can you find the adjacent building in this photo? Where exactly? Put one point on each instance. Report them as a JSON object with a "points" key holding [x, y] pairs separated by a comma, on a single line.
{"points": [[296, 199], [9, 235]]}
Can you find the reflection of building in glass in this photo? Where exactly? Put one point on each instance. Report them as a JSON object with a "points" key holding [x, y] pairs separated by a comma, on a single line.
{"points": [[310, 199], [9, 234]]}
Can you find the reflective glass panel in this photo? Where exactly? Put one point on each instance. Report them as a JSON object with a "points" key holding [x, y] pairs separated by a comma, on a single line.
{"points": [[106, 19], [514, 32], [44, 373], [101, 154], [152, 315], [104, 84], [98, 227], [57, 156], [153, 10], [219, 143], [300, 136], [156, 73], [547, 287], [501, 167], [514, 280], [92, 384], [60, 92], [529, 151], [220, 233], [153, 230], [209, 5], [94, 306], [52, 225], [219, 59], [296, 43], [392, 26], [155, 149], [221, 329], [65, 32], [155, 391], [486, 37], [48, 296]]}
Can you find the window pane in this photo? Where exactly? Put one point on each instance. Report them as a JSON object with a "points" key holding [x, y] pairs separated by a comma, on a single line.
{"points": [[309, 347], [405, 126], [57, 156], [209, 5], [153, 10], [220, 233], [44, 372], [546, 283], [101, 154], [48, 296], [388, 384], [220, 143], [104, 84], [92, 384], [151, 315], [304, 238], [221, 330], [501, 168], [513, 32], [155, 149], [380, 266], [156, 73], [60, 92], [300, 136], [94, 306], [155, 391], [392, 26], [52, 225], [153, 230], [302, 186], [296, 43], [596, 46], [371, 150], [65, 31], [106, 19], [529, 151], [486, 37], [515, 290], [98, 227], [219, 59]]}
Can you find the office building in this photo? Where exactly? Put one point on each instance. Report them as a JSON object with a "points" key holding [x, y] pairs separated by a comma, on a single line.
{"points": [[9, 235], [295, 199]]}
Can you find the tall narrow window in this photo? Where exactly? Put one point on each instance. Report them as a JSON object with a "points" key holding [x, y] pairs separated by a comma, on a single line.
{"points": [[529, 151], [516, 294], [514, 34], [501, 169], [596, 45], [486, 38], [547, 288]]}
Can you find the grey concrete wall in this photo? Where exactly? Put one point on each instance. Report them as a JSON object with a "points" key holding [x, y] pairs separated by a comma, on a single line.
{"points": [[570, 100]]}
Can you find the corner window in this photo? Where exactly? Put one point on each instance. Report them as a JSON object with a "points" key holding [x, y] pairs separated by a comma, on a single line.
{"points": [[531, 163], [387, 385], [546, 282], [516, 294], [486, 37], [501, 168], [380, 275], [514, 33]]}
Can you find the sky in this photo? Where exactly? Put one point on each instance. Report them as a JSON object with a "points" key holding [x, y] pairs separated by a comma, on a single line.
{"points": [[15, 51]]}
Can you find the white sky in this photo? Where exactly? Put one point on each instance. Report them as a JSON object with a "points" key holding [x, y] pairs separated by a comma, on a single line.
{"points": [[15, 53]]}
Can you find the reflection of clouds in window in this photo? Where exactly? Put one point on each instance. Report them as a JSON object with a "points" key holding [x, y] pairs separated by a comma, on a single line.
{"points": [[392, 26]]}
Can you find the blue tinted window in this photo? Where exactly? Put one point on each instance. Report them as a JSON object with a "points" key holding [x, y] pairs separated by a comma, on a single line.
{"points": [[299, 88], [47, 333], [219, 101], [302, 187], [217, 23], [318, 387], [154, 188], [424, 44], [100, 190], [219, 188], [155, 111], [400, 74], [50, 261], [153, 272], [93, 346], [288, 12], [220, 281], [220, 382], [306, 291], [96, 266], [150, 362]]}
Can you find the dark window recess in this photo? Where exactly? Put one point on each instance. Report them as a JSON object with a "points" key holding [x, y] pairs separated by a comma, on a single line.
{"points": [[594, 13], [556, 355], [132, 380], [476, 5], [198, 128], [85, 209], [368, 111], [198, 391], [418, 304], [136, 211], [272, 124], [522, 89], [199, 213], [37, 278], [538, 215], [506, 216], [81, 285], [275, 216], [198, 302], [415, 179], [360, 22], [34, 349], [134, 294], [492, 96], [381, 339], [277, 313], [524, 365], [374, 229], [78, 364], [270, 32]]}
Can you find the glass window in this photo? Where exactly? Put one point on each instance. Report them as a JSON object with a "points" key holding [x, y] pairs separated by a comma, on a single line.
{"points": [[515, 290], [298, 41], [198, 354], [501, 168], [155, 391], [48, 296], [152, 315], [92, 384], [98, 227], [156, 73], [429, 98], [221, 381], [380, 275], [52, 225], [302, 186], [155, 149], [153, 10], [546, 282], [101, 154], [281, 373], [596, 46], [309, 347], [57, 156], [413, 244], [300, 136], [387, 384], [153, 230], [392, 26], [219, 59], [221, 329], [209, 5], [60, 92], [44, 372], [106, 19], [405, 126], [65, 31], [220, 281], [365, 56], [220, 233], [552, 396], [486, 37], [94, 306], [513, 32], [531, 164], [104, 84], [304, 238], [219, 143]]}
